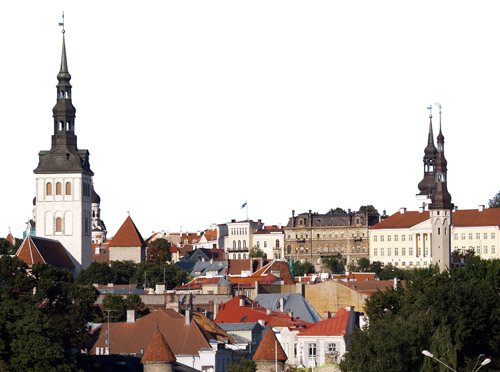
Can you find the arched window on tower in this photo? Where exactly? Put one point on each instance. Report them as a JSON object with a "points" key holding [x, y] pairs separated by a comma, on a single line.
{"points": [[58, 188], [277, 243], [67, 94], [61, 94], [58, 224], [68, 126], [68, 188], [48, 188], [61, 126]]}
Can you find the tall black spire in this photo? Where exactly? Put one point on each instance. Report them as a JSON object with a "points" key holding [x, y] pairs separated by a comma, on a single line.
{"points": [[426, 186], [64, 155]]}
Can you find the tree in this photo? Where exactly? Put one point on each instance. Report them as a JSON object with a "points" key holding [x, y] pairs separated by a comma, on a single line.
{"points": [[43, 317], [6, 247], [455, 316], [159, 251], [244, 365], [495, 202], [256, 252], [336, 210], [363, 264], [334, 263], [303, 268], [368, 208], [96, 273]]}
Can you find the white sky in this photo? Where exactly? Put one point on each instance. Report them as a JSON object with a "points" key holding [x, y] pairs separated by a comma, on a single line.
{"points": [[191, 108]]}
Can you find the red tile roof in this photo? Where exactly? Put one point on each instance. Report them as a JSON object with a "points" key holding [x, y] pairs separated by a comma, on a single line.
{"points": [[130, 338], [10, 239], [270, 348], [370, 286], [402, 220], [40, 250], [335, 326], [158, 350], [127, 236], [355, 276], [232, 312], [211, 234]]}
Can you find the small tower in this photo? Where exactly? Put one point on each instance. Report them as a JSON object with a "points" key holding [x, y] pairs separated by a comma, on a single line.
{"points": [[441, 209], [158, 356], [270, 356], [427, 185], [64, 179], [98, 227]]}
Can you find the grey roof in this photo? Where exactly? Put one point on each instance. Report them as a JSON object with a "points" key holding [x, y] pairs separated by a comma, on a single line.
{"points": [[122, 291], [202, 267], [234, 327], [294, 302]]}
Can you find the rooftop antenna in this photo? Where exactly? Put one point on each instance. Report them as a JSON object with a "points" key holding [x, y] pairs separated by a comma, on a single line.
{"points": [[62, 23]]}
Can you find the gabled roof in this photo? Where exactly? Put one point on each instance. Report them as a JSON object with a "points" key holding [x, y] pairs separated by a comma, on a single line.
{"points": [[130, 338], [402, 220], [35, 250], [270, 348], [294, 302], [474, 217], [127, 236], [211, 235], [335, 326], [158, 350]]}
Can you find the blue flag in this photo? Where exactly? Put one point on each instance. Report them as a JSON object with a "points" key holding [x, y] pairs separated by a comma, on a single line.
{"points": [[244, 205]]}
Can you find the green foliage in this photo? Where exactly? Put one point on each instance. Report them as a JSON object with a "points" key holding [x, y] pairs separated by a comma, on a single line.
{"points": [[336, 210], [363, 264], [43, 317], [334, 263], [495, 202], [159, 251], [456, 316], [256, 252], [6, 247], [302, 268], [244, 365], [368, 208], [149, 274]]}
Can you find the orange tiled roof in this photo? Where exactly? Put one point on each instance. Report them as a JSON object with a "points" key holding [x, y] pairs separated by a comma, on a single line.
{"points": [[127, 236], [40, 250], [158, 350], [211, 234], [355, 276], [370, 286], [10, 239], [473, 217], [402, 220], [270, 348], [335, 326]]}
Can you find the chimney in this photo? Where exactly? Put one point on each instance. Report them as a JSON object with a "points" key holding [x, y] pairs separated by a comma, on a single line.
{"points": [[481, 208], [456, 208], [216, 309], [420, 209], [233, 220], [282, 304], [402, 210], [187, 316], [290, 314], [262, 322], [395, 283], [131, 316], [269, 311], [327, 314], [242, 301]]}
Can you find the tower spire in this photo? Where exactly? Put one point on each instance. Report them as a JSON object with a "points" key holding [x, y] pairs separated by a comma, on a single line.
{"points": [[426, 186]]}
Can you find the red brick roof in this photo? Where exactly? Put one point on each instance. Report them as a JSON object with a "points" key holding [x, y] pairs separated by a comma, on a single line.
{"points": [[402, 220], [127, 236], [335, 326], [232, 312], [130, 338], [40, 250], [270, 348], [158, 350]]}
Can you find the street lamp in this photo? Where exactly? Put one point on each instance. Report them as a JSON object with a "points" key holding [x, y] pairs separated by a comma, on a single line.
{"points": [[430, 355], [483, 363]]}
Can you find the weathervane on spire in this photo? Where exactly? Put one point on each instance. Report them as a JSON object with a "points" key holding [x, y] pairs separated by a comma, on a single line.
{"points": [[439, 107], [62, 23], [430, 110]]}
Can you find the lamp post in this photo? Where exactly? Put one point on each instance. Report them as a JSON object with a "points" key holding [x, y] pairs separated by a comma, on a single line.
{"points": [[483, 363]]}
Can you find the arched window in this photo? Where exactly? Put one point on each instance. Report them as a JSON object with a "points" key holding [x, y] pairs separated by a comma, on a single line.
{"points": [[239, 243], [277, 243], [239, 256], [58, 188], [289, 249], [61, 94], [244, 243], [68, 188], [234, 256], [68, 126], [244, 256], [48, 188], [234, 243], [58, 224], [61, 126]]}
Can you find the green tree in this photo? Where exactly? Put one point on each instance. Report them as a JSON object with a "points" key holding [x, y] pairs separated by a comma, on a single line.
{"points": [[7, 248], [363, 264], [334, 263], [149, 274], [336, 210], [123, 271], [368, 208], [117, 307], [96, 273], [159, 251], [244, 365], [256, 252], [456, 316], [303, 268], [495, 202]]}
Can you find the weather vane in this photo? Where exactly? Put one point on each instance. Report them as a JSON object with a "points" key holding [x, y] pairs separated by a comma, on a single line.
{"points": [[430, 111], [62, 23]]}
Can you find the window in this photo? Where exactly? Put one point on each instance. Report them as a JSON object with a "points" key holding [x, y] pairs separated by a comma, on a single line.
{"points": [[470, 236], [388, 238], [485, 249], [485, 236], [396, 238], [388, 251], [478, 236], [455, 236], [381, 251], [295, 350], [381, 238], [410, 251], [374, 238], [68, 188], [403, 263], [463, 236], [289, 249], [234, 243], [312, 350], [258, 244], [234, 256], [277, 243], [396, 251], [410, 238], [244, 243], [375, 251], [265, 243], [239, 243], [332, 347], [427, 251], [403, 238], [492, 249], [492, 235], [403, 251], [478, 250], [48, 188], [58, 224]]}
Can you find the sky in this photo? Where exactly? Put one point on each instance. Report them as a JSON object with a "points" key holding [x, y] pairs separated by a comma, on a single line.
{"points": [[191, 108]]}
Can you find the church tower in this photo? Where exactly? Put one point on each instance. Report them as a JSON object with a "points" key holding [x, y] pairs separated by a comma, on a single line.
{"points": [[64, 180], [441, 209], [427, 185]]}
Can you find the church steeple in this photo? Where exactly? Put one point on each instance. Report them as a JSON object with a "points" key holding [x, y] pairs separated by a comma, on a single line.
{"points": [[426, 186]]}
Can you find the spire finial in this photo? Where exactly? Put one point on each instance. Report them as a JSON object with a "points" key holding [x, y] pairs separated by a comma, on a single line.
{"points": [[439, 106], [62, 23], [430, 111]]}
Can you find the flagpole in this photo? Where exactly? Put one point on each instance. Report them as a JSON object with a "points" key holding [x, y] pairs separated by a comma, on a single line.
{"points": [[247, 209]]}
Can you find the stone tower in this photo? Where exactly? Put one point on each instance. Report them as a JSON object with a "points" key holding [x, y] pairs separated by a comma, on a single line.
{"points": [[64, 180], [441, 209]]}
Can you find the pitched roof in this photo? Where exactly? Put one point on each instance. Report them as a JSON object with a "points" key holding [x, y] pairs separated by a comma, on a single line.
{"points": [[127, 236], [370, 286], [211, 234], [10, 239], [474, 217], [213, 329], [158, 350], [294, 302], [130, 338], [35, 250], [402, 220], [335, 326], [270, 348]]}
